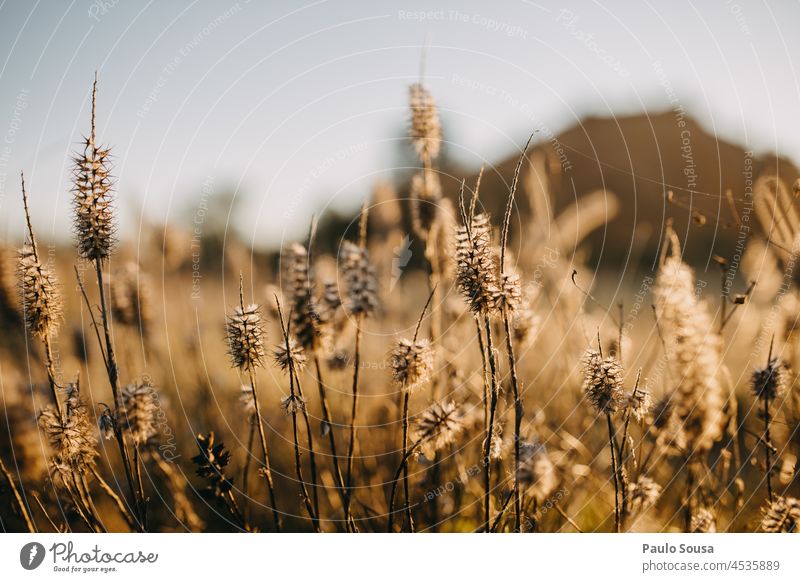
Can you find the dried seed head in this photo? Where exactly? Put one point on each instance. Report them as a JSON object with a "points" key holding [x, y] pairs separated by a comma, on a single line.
{"points": [[603, 382], [71, 437], [246, 401], [40, 296], [295, 356], [477, 265], [770, 382], [536, 472], [439, 426], [93, 197], [330, 301], [130, 298], [107, 423], [360, 279], [293, 404], [307, 318], [246, 337], [137, 411], [498, 445], [412, 363], [781, 516], [510, 296], [643, 494], [639, 403], [211, 462], [703, 521], [426, 130], [695, 356]]}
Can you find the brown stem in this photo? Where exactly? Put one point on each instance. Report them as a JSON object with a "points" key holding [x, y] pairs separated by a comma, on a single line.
{"points": [[23, 509], [407, 507], [614, 471], [487, 472], [353, 411], [518, 412], [767, 447], [276, 518]]}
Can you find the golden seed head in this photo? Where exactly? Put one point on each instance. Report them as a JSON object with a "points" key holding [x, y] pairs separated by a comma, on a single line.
{"points": [[130, 298], [360, 280], [426, 130], [781, 516], [603, 382], [71, 437], [412, 363], [93, 202], [246, 337], [40, 296], [137, 411], [439, 426], [477, 265]]}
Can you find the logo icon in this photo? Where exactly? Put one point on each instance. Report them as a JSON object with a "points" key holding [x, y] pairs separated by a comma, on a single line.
{"points": [[31, 555], [402, 255]]}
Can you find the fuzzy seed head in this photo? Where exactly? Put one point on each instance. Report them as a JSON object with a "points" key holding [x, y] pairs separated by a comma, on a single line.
{"points": [[695, 357], [536, 472], [439, 426], [293, 403], [137, 411], [246, 337], [477, 265], [426, 201], [41, 299], [426, 130], [781, 516], [770, 382], [412, 363], [92, 202], [72, 437], [307, 313], [603, 382], [703, 521], [360, 279], [295, 356], [643, 494], [247, 402]]}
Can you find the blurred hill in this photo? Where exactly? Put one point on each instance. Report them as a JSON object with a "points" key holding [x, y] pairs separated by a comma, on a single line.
{"points": [[639, 159]]}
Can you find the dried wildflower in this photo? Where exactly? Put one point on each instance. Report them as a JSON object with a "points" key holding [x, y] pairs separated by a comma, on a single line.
{"points": [[330, 301], [295, 355], [536, 473], [107, 423], [307, 318], [70, 437], [360, 279], [246, 337], [130, 298], [137, 411], [498, 444], [510, 295], [246, 401], [211, 463], [703, 521], [643, 494], [439, 426], [781, 516], [695, 355], [639, 403], [293, 404], [426, 130], [476, 265], [93, 197], [41, 300], [412, 362], [603, 382], [769, 382]]}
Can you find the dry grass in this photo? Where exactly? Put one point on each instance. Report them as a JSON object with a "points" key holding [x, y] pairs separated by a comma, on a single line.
{"points": [[484, 388]]}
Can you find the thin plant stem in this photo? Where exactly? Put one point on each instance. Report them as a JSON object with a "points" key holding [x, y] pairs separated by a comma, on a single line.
{"points": [[23, 509], [518, 413], [276, 518], [487, 472], [353, 411], [614, 471]]}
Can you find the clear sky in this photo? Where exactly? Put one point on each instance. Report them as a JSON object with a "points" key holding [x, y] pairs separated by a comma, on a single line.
{"points": [[298, 105]]}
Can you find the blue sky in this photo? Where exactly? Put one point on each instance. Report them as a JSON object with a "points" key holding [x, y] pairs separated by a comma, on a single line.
{"points": [[300, 105]]}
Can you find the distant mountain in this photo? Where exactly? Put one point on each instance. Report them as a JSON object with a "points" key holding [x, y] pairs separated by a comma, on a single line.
{"points": [[639, 158]]}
